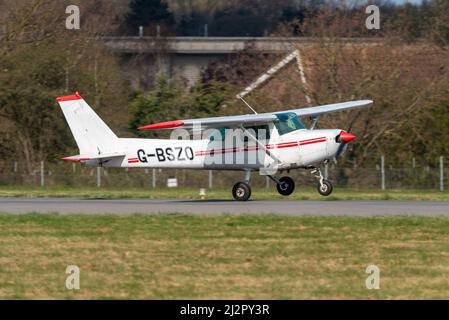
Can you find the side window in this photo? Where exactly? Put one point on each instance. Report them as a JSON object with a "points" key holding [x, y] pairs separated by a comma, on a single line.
{"points": [[262, 132], [218, 134]]}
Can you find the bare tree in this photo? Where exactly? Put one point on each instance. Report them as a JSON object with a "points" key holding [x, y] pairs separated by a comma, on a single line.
{"points": [[40, 59]]}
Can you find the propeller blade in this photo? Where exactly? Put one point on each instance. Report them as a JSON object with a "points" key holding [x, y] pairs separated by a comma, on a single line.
{"points": [[341, 149]]}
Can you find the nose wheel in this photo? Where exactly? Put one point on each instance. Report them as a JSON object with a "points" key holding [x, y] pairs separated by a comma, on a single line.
{"points": [[325, 187]]}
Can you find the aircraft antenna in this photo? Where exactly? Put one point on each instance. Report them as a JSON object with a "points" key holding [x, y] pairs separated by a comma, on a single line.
{"points": [[247, 104]]}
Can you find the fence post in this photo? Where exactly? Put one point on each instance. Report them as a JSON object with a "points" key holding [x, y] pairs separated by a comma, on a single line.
{"points": [[98, 177], [441, 173], [42, 174], [382, 172], [267, 182], [211, 179], [153, 181], [15, 166]]}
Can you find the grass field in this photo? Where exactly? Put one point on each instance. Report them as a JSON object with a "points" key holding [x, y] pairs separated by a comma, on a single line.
{"points": [[185, 193], [223, 257]]}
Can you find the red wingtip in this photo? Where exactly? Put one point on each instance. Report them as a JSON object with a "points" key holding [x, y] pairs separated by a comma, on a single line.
{"points": [[162, 125], [74, 159], [75, 96], [347, 137]]}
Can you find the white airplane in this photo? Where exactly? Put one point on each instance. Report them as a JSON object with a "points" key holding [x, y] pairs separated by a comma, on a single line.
{"points": [[267, 142]]}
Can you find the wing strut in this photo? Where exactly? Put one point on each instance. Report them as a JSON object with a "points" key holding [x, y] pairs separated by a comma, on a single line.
{"points": [[261, 145], [314, 122]]}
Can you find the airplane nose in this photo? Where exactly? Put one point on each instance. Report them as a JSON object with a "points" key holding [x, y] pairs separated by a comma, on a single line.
{"points": [[346, 137]]}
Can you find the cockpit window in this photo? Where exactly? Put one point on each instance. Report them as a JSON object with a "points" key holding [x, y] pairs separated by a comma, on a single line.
{"points": [[288, 122], [262, 132]]}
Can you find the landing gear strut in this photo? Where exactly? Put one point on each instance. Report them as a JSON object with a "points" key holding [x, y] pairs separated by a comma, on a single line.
{"points": [[324, 186]]}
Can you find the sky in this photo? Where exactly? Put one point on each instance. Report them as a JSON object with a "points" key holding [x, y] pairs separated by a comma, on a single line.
{"points": [[394, 1], [404, 1]]}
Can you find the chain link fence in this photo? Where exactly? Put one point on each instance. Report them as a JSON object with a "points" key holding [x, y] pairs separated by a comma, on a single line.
{"points": [[378, 176]]}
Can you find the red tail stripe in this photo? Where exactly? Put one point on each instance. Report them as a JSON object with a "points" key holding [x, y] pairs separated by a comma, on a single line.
{"points": [[75, 96]]}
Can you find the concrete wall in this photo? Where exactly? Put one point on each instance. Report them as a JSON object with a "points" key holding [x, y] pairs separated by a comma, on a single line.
{"points": [[142, 69], [184, 58]]}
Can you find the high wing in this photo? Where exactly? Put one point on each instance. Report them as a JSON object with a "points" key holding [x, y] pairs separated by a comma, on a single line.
{"points": [[316, 111], [253, 119], [215, 122]]}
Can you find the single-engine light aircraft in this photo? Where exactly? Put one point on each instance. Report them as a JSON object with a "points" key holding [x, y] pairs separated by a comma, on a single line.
{"points": [[265, 142]]}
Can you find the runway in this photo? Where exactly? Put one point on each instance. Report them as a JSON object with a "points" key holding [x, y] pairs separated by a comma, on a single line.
{"points": [[287, 207]]}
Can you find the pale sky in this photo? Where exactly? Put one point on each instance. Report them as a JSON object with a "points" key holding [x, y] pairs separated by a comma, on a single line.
{"points": [[404, 1]]}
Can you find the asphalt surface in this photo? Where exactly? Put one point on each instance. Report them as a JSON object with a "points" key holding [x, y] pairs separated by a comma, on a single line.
{"points": [[287, 207]]}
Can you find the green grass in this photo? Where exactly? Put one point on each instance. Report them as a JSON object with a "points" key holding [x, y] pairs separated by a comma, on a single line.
{"points": [[186, 193], [223, 257]]}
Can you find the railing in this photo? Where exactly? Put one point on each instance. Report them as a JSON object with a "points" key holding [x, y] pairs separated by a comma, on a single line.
{"points": [[219, 45], [389, 177]]}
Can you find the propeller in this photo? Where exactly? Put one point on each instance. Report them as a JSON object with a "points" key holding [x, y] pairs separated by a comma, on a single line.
{"points": [[343, 138]]}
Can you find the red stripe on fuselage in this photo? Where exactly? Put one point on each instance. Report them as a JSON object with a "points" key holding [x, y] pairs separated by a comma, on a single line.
{"points": [[311, 141], [268, 146]]}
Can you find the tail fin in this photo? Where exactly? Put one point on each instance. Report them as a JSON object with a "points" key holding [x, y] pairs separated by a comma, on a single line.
{"points": [[91, 134]]}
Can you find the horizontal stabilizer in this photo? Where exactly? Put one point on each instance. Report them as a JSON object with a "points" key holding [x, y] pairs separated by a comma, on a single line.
{"points": [[83, 157]]}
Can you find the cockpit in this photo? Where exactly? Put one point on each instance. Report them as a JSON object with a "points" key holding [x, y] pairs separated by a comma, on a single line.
{"points": [[288, 122]]}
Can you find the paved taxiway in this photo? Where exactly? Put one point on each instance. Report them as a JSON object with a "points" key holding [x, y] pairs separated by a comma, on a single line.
{"points": [[287, 207]]}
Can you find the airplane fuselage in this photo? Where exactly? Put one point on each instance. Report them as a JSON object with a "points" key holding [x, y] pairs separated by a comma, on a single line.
{"points": [[300, 148]]}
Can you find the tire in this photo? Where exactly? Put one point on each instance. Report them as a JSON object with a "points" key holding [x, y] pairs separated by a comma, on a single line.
{"points": [[286, 186], [325, 189], [241, 191]]}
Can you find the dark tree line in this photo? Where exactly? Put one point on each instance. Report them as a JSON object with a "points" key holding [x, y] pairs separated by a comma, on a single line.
{"points": [[258, 18]]}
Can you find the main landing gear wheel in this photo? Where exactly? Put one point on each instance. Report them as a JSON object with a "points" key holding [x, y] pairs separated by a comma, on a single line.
{"points": [[286, 186], [241, 191], [325, 188]]}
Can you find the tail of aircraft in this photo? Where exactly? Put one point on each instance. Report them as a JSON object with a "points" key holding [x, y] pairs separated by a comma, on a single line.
{"points": [[91, 134]]}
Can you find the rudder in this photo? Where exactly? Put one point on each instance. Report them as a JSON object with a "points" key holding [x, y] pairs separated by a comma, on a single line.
{"points": [[91, 134]]}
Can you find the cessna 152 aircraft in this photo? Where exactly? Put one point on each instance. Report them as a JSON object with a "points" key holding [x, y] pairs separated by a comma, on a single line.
{"points": [[266, 142]]}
